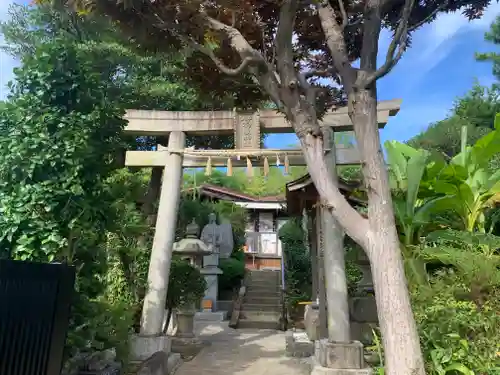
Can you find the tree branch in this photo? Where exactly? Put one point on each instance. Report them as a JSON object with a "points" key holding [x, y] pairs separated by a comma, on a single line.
{"points": [[399, 42], [336, 44], [262, 72], [429, 17], [218, 62], [353, 223], [283, 41], [319, 73], [345, 19]]}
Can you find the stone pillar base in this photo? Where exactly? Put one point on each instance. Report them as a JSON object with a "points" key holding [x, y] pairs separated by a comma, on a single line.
{"points": [[339, 358], [143, 347]]}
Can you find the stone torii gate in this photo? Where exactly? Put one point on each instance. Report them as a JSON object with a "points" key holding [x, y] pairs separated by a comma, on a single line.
{"points": [[246, 127]]}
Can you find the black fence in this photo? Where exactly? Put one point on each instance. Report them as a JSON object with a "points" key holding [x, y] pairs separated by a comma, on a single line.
{"points": [[34, 313]]}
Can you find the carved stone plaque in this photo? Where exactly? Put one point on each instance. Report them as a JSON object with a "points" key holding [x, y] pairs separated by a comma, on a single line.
{"points": [[247, 130]]}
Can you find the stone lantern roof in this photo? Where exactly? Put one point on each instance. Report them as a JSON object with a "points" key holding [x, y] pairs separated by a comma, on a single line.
{"points": [[191, 245]]}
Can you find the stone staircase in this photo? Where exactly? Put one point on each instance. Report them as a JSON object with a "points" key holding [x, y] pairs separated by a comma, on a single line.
{"points": [[261, 306]]}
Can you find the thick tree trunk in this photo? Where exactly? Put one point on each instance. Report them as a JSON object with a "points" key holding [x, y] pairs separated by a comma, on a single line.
{"points": [[377, 235], [400, 338]]}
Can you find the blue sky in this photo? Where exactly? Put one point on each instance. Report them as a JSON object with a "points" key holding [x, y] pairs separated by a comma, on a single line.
{"points": [[439, 67]]}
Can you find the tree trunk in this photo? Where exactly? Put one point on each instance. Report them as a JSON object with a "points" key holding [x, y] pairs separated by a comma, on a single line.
{"points": [[148, 205], [403, 355], [377, 234]]}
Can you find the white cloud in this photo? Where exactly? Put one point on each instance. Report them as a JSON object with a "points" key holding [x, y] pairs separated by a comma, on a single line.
{"points": [[432, 43], [451, 23]]}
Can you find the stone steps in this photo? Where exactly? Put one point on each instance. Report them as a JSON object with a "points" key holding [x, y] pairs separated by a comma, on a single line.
{"points": [[259, 299], [265, 276], [264, 285], [261, 306], [252, 324], [260, 316], [253, 293]]}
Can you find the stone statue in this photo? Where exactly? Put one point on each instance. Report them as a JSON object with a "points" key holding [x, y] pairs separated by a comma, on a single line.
{"points": [[226, 239], [211, 233]]}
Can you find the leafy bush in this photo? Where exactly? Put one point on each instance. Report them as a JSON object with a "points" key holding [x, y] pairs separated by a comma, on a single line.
{"points": [[297, 263], [352, 271], [458, 335], [186, 285], [99, 324], [298, 271], [58, 146], [233, 271]]}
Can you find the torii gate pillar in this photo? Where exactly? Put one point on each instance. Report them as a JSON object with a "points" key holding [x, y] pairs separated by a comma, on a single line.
{"points": [[161, 254], [151, 338]]}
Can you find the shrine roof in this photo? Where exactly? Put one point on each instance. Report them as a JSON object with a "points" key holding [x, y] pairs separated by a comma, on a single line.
{"points": [[219, 192], [306, 180], [302, 190]]}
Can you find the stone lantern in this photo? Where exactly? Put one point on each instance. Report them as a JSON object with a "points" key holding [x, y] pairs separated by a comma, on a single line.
{"points": [[193, 250], [191, 247]]}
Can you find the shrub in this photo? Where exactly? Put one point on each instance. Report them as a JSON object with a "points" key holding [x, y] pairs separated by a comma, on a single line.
{"points": [[458, 334], [297, 263], [98, 324], [233, 271], [186, 285]]}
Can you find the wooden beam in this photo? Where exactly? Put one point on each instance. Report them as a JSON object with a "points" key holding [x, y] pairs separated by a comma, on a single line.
{"points": [[345, 156], [141, 122]]}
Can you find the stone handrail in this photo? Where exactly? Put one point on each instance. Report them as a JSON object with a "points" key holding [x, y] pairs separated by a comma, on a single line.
{"points": [[236, 308]]}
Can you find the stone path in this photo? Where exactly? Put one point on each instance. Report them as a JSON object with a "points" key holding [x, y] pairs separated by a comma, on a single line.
{"points": [[242, 352]]}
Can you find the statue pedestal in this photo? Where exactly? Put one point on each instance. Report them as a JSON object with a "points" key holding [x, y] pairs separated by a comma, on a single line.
{"points": [[211, 271]]}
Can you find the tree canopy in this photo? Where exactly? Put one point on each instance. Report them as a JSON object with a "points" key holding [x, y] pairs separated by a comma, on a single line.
{"points": [[137, 80], [493, 36], [476, 110], [248, 40]]}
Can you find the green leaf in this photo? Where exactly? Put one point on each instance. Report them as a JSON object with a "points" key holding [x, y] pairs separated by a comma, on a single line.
{"points": [[415, 171], [443, 187], [397, 162], [458, 367]]}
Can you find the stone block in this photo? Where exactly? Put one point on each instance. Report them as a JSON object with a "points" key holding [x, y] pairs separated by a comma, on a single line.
{"points": [[363, 309], [311, 322], [143, 347], [218, 316], [320, 370], [339, 355], [185, 324], [362, 332], [298, 344]]}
